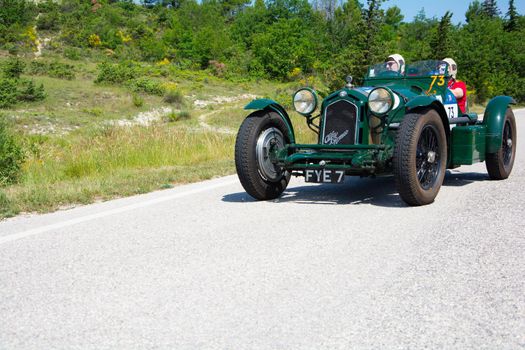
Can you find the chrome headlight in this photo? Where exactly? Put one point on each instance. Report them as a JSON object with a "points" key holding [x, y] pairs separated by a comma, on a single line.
{"points": [[305, 101], [380, 101]]}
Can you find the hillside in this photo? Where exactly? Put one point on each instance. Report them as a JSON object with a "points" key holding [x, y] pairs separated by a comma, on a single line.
{"points": [[88, 141]]}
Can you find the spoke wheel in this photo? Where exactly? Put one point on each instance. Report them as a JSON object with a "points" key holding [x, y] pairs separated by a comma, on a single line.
{"points": [[428, 157], [420, 156], [500, 164], [507, 144]]}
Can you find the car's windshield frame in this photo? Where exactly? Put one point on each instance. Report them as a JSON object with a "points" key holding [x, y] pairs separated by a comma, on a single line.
{"points": [[418, 69]]}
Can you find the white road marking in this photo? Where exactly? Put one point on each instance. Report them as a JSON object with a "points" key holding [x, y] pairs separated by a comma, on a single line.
{"points": [[43, 229]]}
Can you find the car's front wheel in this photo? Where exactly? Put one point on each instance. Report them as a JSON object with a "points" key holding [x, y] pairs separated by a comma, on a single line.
{"points": [[261, 135], [420, 157]]}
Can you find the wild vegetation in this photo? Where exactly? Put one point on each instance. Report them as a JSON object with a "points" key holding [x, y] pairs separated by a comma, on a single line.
{"points": [[104, 98]]}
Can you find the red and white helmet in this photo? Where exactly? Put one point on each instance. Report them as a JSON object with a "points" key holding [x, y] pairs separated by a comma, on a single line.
{"points": [[399, 60], [452, 67]]}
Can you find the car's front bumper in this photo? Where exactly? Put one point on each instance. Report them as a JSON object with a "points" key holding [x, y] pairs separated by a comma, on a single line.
{"points": [[354, 159]]}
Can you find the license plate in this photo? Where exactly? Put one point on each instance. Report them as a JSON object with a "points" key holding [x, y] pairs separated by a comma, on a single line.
{"points": [[324, 176]]}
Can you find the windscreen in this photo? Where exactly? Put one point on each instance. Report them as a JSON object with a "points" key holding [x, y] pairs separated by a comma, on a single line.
{"points": [[426, 68], [384, 70]]}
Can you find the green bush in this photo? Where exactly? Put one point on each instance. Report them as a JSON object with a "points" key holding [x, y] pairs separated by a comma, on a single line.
{"points": [[8, 92], [11, 156], [116, 73], [147, 86], [137, 100], [12, 48], [174, 97], [72, 53], [13, 68], [37, 68], [61, 71], [178, 116], [54, 69], [12, 90], [28, 91], [48, 21]]}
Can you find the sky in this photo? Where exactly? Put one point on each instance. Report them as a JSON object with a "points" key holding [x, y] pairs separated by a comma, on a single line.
{"points": [[437, 8]]}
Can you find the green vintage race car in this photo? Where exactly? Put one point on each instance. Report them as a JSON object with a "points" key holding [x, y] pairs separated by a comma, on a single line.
{"points": [[407, 124]]}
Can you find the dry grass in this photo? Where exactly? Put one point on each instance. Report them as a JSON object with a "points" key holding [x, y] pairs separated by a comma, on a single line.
{"points": [[115, 161]]}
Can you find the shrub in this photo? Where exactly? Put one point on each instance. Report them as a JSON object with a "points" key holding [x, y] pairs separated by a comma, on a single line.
{"points": [[178, 116], [37, 68], [12, 48], [8, 92], [48, 21], [61, 71], [116, 73], [30, 92], [217, 68], [54, 69], [137, 100], [72, 53], [146, 85], [13, 68], [11, 156], [173, 97], [94, 40]]}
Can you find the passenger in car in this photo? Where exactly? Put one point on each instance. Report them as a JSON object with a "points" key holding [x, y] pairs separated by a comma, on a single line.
{"points": [[458, 88]]}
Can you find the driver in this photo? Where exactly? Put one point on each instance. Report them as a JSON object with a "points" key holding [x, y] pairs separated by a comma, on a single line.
{"points": [[458, 88], [396, 63]]}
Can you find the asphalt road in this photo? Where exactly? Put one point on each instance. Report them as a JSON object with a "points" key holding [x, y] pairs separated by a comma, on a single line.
{"points": [[204, 266]]}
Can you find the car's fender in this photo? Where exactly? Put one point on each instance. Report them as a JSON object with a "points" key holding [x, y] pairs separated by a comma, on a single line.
{"points": [[267, 104], [430, 102], [494, 118]]}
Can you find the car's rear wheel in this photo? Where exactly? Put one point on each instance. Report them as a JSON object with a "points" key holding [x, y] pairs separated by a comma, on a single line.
{"points": [[260, 135], [499, 164], [420, 157]]}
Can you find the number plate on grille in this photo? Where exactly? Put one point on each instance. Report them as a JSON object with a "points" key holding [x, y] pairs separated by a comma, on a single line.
{"points": [[324, 175]]}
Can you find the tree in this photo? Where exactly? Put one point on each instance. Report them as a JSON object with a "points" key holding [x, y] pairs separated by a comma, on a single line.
{"points": [[251, 20], [512, 16], [474, 11], [393, 17], [441, 41], [345, 29], [285, 45], [490, 8], [415, 39], [345, 36], [16, 12], [327, 7], [231, 7], [372, 17]]}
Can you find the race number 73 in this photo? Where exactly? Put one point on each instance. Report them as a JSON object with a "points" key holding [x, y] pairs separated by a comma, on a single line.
{"points": [[440, 82]]}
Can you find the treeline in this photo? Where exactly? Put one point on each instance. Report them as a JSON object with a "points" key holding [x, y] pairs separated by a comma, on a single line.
{"points": [[277, 39]]}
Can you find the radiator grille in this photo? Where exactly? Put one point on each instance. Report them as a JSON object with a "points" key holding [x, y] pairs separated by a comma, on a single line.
{"points": [[340, 123]]}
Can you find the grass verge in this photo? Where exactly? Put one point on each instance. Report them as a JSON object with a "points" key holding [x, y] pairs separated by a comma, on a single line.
{"points": [[112, 162]]}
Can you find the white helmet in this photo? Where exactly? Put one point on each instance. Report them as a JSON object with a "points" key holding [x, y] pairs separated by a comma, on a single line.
{"points": [[399, 60], [452, 67]]}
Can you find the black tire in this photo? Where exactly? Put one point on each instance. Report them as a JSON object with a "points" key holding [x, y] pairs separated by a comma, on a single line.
{"points": [[499, 164], [420, 157], [260, 178]]}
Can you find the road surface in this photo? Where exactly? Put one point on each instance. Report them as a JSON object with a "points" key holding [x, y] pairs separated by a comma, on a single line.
{"points": [[204, 266]]}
